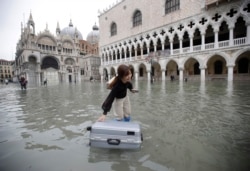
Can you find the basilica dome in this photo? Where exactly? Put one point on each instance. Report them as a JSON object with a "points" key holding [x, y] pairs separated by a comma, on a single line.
{"points": [[93, 36], [71, 31]]}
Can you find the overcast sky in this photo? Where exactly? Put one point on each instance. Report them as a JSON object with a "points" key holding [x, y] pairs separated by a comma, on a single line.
{"points": [[84, 14]]}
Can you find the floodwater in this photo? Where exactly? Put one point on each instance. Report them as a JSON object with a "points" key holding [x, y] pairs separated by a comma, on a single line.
{"points": [[189, 126]]}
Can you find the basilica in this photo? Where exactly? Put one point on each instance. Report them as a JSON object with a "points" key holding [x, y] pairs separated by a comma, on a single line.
{"points": [[181, 39], [64, 57]]}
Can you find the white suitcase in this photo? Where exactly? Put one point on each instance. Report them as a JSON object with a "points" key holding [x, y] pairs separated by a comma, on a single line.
{"points": [[116, 135]]}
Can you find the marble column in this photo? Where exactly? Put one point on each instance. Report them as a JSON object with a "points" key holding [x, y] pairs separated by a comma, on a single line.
{"points": [[163, 78], [180, 74], [203, 70], [230, 72]]}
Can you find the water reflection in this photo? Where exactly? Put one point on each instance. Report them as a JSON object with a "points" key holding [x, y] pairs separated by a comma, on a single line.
{"points": [[186, 126]]}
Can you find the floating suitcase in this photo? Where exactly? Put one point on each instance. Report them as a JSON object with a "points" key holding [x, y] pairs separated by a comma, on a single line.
{"points": [[115, 135]]}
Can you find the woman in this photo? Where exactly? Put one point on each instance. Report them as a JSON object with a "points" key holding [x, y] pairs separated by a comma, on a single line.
{"points": [[119, 87]]}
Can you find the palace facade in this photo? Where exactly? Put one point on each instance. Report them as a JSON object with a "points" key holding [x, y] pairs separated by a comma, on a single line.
{"points": [[186, 39], [64, 57]]}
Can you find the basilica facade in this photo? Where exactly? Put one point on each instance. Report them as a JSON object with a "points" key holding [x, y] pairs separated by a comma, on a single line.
{"points": [[64, 57], [183, 39]]}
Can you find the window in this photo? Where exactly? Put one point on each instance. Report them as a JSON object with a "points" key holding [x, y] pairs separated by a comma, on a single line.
{"points": [[113, 29], [137, 18], [82, 71], [172, 5]]}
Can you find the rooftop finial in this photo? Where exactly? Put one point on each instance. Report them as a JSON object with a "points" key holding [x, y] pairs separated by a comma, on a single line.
{"points": [[70, 23]]}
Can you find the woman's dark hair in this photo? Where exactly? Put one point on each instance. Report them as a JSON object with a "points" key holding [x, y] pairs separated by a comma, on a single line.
{"points": [[123, 70]]}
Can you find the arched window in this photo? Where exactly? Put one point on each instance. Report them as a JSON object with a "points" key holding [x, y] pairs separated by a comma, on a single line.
{"points": [[137, 18], [113, 29], [171, 5]]}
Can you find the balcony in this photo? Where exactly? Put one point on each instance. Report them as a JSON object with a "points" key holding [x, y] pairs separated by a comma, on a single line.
{"points": [[187, 50]]}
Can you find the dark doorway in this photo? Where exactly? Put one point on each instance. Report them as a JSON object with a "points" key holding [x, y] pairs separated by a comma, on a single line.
{"points": [[70, 78], [218, 67], [243, 65], [141, 72], [197, 69]]}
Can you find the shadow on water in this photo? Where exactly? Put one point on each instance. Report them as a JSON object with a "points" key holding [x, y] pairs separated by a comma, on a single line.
{"points": [[186, 126]]}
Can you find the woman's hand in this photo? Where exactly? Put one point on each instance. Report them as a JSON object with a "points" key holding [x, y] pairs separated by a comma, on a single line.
{"points": [[134, 90], [102, 118]]}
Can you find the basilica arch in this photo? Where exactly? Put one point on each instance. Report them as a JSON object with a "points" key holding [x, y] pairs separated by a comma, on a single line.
{"points": [[50, 70]]}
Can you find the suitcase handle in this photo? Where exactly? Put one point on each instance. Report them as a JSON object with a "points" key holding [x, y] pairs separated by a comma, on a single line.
{"points": [[113, 141]]}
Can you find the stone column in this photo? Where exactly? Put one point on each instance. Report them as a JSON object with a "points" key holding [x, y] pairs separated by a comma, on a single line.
{"points": [[116, 56], [38, 75], [162, 45], [130, 54], [181, 49], [181, 74], [163, 78], [112, 57], [216, 37], [171, 47], [79, 75], [202, 41], [231, 36], [109, 76], [149, 75], [230, 72], [136, 76], [135, 53], [102, 60], [125, 55], [191, 43], [203, 74], [147, 49], [108, 58], [248, 33]]}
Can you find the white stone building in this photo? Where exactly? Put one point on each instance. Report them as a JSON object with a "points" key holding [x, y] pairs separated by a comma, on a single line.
{"points": [[193, 39], [55, 58], [6, 70]]}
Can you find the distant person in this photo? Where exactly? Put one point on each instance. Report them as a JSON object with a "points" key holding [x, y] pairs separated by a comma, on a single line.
{"points": [[23, 83], [172, 78], [45, 82], [119, 86], [6, 81], [91, 79]]}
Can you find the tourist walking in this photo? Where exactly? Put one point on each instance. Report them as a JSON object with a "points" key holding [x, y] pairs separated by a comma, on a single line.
{"points": [[6, 81], [23, 83]]}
